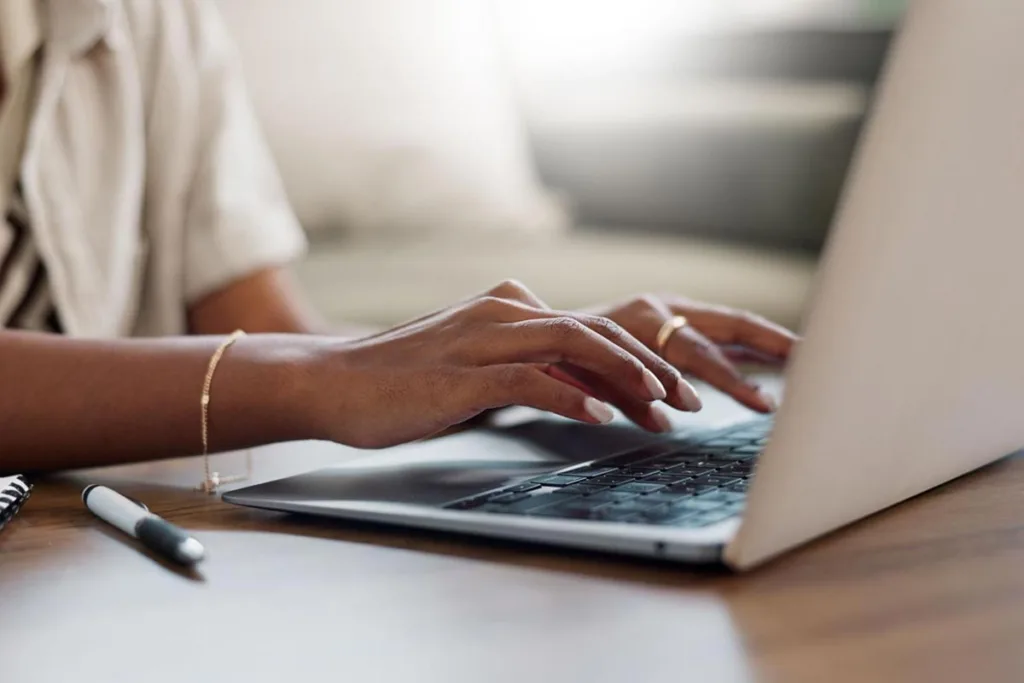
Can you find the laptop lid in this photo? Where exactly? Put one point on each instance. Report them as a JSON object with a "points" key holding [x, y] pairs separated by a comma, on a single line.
{"points": [[911, 373]]}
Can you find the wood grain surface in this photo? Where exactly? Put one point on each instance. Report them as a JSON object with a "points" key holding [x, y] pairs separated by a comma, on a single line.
{"points": [[931, 590]]}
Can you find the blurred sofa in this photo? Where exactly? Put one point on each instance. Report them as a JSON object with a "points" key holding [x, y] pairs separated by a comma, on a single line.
{"points": [[385, 283], [424, 173]]}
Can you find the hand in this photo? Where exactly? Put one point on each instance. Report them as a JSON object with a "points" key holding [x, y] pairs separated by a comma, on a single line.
{"points": [[503, 348], [714, 338]]}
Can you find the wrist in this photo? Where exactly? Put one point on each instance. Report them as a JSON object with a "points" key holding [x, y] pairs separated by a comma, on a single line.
{"points": [[264, 392]]}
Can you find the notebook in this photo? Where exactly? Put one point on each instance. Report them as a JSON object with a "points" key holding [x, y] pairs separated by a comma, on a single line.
{"points": [[13, 493]]}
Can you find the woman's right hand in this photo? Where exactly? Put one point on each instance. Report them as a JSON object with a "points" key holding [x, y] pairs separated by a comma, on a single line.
{"points": [[498, 349]]}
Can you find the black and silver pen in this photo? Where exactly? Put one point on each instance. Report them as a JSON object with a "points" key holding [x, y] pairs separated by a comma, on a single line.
{"points": [[155, 533]]}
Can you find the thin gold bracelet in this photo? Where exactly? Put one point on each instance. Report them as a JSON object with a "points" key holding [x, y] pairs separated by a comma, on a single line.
{"points": [[213, 480]]}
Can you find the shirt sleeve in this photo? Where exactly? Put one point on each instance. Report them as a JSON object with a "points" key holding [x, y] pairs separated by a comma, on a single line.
{"points": [[238, 219]]}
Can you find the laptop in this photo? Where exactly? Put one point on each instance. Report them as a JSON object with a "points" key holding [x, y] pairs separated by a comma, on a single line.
{"points": [[909, 373]]}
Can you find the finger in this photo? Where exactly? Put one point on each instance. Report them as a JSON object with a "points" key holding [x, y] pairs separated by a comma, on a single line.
{"points": [[649, 416], [499, 386], [741, 354], [564, 339], [644, 331], [691, 350], [678, 392], [728, 327], [563, 375], [663, 381]]}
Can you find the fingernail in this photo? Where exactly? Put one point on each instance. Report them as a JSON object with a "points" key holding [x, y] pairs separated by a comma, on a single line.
{"points": [[688, 396], [654, 387], [661, 418], [768, 399], [598, 410]]}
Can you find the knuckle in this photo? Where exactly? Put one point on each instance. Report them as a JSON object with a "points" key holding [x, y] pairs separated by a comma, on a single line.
{"points": [[489, 305], [605, 326], [508, 287], [648, 302], [565, 327]]}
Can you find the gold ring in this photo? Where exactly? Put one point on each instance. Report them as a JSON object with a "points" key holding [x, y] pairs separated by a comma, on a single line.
{"points": [[668, 328]]}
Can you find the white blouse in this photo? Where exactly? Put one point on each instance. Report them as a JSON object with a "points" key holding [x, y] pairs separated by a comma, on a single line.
{"points": [[144, 172], [26, 302]]}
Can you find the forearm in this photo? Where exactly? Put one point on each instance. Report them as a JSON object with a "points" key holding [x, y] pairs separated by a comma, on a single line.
{"points": [[67, 403]]}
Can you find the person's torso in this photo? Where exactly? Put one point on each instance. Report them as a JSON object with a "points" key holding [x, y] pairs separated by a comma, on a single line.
{"points": [[91, 200]]}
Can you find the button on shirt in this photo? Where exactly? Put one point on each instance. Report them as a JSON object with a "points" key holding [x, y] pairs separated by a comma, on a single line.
{"points": [[146, 182]]}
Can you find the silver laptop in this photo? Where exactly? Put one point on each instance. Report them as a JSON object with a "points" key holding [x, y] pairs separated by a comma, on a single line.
{"points": [[910, 372]]}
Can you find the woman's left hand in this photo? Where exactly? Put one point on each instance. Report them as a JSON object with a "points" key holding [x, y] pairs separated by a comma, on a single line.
{"points": [[713, 339]]}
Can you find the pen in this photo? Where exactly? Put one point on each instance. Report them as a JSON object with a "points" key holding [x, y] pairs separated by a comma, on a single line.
{"points": [[155, 533]]}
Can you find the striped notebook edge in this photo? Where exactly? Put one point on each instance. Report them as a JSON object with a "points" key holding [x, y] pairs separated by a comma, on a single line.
{"points": [[14, 491]]}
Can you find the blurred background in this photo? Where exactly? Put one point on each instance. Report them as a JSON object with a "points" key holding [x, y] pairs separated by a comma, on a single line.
{"points": [[591, 148]]}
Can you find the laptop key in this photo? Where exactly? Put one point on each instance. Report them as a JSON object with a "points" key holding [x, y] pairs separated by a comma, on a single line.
{"points": [[613, 496], [609, 480], [659, 512], [557, 480], [703, 465], [720, 496], [638, 472], [621, 512], [573, 509], [684, 471], [589, 472], [665, 478], [739, 487], [645, 503], [713, 517], [692, 487], [713, 480], [668, 496], [722, 459], [639, 487], [627, 519], [701, 505], [584, 489], [536, 502], [680, 518], [522, 488]]}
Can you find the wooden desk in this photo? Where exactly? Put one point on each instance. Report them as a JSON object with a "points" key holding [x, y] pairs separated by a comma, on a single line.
{"points": [[929, 591]]}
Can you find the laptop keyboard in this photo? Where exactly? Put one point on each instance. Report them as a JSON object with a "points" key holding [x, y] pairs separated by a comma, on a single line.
{"points": [[683, 482]]}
